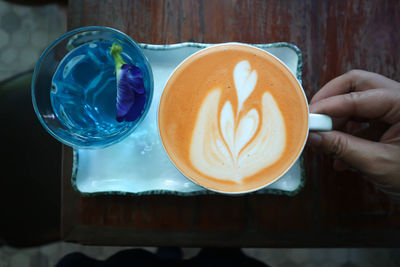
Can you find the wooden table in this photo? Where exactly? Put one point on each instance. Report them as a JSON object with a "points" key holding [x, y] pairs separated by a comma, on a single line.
{"points": [[334, 209]]}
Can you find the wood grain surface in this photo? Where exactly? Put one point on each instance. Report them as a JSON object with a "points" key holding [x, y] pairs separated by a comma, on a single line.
{"points": [[337, 209]]}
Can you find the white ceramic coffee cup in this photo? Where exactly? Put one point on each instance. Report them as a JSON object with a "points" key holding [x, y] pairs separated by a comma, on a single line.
{"points": [[316, 122]]}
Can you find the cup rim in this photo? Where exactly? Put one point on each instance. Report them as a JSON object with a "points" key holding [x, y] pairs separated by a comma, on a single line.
{"points": [[51, 46], [291, 164]]}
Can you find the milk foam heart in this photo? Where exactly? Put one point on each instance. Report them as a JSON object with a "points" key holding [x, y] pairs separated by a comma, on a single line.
{"points": [[228, 145]]}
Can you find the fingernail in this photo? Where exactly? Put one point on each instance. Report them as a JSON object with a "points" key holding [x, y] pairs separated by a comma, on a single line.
{"points": [[315, 139]]}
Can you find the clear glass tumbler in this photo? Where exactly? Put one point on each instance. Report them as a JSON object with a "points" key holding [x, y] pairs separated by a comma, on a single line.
{"points": [[74, 87]]}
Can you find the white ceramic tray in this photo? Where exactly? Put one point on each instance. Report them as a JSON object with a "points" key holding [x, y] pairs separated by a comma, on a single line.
{"points": [[139, 165]]}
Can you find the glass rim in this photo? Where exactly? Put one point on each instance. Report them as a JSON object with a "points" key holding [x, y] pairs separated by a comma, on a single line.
{"points": [[51, 46]]}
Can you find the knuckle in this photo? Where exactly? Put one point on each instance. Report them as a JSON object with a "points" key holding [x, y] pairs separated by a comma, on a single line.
{"points": [[355, 74], [338, 146], [356, 77], [352, 99]]}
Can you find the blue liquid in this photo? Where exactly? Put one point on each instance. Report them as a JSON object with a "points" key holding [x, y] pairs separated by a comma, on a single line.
{"points": [[84, 92]]}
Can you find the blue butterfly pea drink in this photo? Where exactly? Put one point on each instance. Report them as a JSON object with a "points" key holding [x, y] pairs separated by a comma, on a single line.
{"points": [[92, 87]]}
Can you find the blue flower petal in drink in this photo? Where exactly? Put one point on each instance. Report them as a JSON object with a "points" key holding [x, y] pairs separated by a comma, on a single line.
{"points": [[131, 96]]}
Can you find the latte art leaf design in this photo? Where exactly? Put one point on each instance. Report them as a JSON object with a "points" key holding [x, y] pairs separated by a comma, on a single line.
{"points": [[237, 138], [227, 146]]}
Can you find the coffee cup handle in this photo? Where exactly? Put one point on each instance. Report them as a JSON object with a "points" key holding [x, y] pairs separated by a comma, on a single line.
{"points": [[319, 122]]}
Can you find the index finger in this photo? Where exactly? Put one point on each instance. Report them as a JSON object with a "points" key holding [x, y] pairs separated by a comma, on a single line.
{"points": [[353, 81], [381, 104]]}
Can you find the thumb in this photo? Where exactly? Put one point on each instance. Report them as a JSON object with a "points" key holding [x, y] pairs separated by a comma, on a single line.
{"points": [[357, 152]]}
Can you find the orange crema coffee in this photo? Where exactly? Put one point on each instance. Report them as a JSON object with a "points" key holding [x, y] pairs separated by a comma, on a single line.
{"points": [[233, 118]]}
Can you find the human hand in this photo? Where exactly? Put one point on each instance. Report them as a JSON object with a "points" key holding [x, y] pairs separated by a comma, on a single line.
{"points": [[372, 146]]}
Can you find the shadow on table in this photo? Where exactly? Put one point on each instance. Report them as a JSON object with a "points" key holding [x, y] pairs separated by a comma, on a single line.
{"points": [[232, 257], [31, 170]]}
